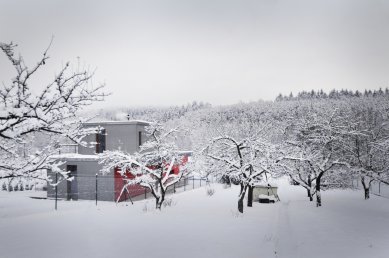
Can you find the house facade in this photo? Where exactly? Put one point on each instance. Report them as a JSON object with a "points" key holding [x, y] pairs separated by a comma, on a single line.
{"points": [[84, 167]]}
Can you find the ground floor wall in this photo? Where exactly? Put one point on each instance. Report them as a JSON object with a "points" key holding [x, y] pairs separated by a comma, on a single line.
{"points": [[83, 184]]}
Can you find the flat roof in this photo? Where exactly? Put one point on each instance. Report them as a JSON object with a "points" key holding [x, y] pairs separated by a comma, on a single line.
{"points": [[75, 157], [130, 122]]}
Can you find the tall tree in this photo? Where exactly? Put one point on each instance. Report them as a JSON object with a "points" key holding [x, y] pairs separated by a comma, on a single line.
{"points": [[24, 112]]}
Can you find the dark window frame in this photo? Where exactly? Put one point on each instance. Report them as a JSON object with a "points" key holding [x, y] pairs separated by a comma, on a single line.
{"points": [[101, 141]]}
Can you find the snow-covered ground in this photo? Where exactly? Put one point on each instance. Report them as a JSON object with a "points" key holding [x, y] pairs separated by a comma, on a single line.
{"points": [[197, 225]]}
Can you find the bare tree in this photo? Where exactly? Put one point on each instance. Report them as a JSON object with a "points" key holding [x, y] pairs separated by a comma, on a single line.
{"points": [[243, 159], [366, 137], [153, 166], [315, 138], [52, 112]]}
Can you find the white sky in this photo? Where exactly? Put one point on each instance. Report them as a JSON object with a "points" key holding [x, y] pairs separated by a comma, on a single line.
{"points": [[222, 52]]}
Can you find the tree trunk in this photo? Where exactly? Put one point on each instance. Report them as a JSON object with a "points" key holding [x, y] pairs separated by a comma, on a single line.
{"points": [[240, 205], [250, 197], [318, 198], [241, 197], [367, 193], [310, 187], [309, 195], [161, 200], [157, 203], [365, 188], [318, 194]]}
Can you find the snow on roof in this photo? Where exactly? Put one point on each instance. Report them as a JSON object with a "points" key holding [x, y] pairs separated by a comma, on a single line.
{"points": [[264, 184], [75, 156], [130, 122], [185, 152]]}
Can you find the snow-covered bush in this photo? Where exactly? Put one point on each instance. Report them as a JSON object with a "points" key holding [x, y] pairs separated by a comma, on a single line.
{"points": [[168, 202], [210, 191]]}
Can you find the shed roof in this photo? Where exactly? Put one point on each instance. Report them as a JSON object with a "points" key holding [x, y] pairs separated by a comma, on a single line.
{"points": [[130, 122]]}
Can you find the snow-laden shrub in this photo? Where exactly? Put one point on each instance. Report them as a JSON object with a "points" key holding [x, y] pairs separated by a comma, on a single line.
{"points": [[145, 208], [236, 214], [4, 186], [210, 191], [21, 188], [169, 202], [16, 187]]}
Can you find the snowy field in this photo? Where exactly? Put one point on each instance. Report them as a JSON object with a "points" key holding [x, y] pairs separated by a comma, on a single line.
{"points": [[196, 225]]}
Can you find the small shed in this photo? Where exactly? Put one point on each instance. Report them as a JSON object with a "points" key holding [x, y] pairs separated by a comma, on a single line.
{"points": [[265, 193]]}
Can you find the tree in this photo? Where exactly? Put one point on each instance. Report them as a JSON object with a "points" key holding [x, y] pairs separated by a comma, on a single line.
{"points": [[52, 112], [296, 168], [316, 138], [243, 158], [152, 166], [366, 141]]}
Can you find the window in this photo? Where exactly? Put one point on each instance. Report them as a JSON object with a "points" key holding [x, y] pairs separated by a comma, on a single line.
{"points": [[100, 141]]}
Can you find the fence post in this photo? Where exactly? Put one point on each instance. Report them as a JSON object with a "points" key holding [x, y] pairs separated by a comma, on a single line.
{"points": [[379, 188], [145, 193], [56, 190], [96, 189], [193, 182], [174, 188], [200, 181], [184, 183]]}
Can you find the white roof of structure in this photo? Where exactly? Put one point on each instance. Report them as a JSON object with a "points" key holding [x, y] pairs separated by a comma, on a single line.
{"points": [[130, 122], [75, 157], [264, 184]]}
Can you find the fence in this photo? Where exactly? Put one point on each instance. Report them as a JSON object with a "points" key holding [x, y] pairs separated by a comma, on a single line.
{"points": [[109, 188]]}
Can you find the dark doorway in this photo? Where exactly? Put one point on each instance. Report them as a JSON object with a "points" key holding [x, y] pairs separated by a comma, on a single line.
{"points": [[71, 186]]}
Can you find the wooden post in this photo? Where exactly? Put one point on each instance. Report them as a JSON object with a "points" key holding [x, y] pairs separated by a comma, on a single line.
{"points": [[56, 190], [193, 182], [96, 189], [145, 193]]}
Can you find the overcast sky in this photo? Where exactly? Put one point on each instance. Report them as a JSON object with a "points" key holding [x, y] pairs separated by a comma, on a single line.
{"points": [[221, 52]]}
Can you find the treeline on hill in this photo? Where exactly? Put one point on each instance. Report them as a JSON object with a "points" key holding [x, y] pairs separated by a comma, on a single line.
{"points": [[160, 114], [333, 94]]}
